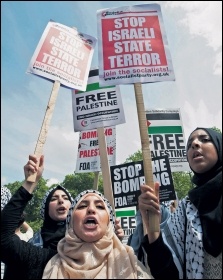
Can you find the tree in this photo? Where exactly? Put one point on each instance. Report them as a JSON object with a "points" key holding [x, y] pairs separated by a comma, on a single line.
{"points": [[134, 157], [182, 183], [216, 129], [79, 182]]}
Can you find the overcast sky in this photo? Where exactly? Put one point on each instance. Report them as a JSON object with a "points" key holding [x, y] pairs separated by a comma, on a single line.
{"points": [[194, 34]]}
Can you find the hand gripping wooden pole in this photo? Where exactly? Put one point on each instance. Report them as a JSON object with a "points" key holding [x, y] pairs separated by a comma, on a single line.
{"points": [[45, 126], [147, 162]]}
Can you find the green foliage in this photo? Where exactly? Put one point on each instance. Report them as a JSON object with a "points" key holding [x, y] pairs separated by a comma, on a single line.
{"points": [[79, 182], [182, 183], [14, 186], [216, 129], [137, 156]]}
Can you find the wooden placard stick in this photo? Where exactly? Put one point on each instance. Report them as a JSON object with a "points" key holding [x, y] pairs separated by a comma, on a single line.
{"points": [[96, 177], [45, 126], [147, 162], [105, 168]]}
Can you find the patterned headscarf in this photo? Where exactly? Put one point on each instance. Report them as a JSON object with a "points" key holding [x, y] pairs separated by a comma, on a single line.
{"points": [[80, 196], [5, 196], [106, 258]]}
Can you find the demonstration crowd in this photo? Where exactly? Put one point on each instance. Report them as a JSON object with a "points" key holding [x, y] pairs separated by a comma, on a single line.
{"points": [[81, 238]]}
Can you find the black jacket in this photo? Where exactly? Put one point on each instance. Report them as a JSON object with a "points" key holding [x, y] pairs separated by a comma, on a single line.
{"points": [[23, 260]]}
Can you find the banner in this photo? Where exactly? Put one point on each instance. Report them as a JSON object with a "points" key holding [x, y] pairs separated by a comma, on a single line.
{"points": [[88, 158], [63, 54], [97, 106], [127, 178], [166, 137], [132, 45]]}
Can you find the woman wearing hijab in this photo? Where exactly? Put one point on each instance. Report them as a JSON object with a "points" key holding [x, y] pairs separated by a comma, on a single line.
{"points": [[23, 259], [194, 230], [54, 209], [90, 248]]}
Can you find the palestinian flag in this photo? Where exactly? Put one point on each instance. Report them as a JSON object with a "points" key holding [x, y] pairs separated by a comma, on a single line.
{"points": [[93, 82], [164, 121]]}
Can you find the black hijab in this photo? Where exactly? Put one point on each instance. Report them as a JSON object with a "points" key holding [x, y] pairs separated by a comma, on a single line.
{"points": [[207, 197], [52, 231]]}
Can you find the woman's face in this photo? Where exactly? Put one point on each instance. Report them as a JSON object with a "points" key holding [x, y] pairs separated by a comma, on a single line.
{"points": [[90, 218], [59, 206], [201, 152]]}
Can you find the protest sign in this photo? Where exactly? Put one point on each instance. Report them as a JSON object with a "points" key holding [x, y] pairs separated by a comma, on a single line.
{"points": [[133, 45], [63, 54], [127, 178], [128, 221], [133, 49], [166, 137], [97, 106], [88, 158]]}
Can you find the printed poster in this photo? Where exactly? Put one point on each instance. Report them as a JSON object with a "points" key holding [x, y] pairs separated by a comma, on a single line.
{"points": [[97, 106], [63, 54], [128, 221], [88, 158], [166, 137], [132, 45], [127, 179]]}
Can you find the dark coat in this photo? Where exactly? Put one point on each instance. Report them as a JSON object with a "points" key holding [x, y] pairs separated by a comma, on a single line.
{"points": [[23, 260]]}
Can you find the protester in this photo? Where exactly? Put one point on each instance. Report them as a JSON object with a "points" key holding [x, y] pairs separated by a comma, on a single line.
{"points": [[27, 231], [193, 231], [90, 248], [54, 228], [23, 258], [5, 197], [54, 209]]}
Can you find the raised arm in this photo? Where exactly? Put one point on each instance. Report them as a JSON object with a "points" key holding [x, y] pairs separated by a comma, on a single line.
{"points": [[19, 256], [33, 165]]}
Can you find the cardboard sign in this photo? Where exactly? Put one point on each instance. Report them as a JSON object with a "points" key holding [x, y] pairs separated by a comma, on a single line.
{"points": [[127, 178], [63, 54], [166, 137], [88, 158], [133, 46], [97, 106], [128, 221]]}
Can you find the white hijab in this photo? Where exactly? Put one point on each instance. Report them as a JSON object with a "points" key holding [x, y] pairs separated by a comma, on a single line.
{"points": [[106, 258]]}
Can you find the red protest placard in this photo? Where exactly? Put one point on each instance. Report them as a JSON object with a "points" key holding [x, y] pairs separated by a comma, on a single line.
{"points": [[63, 54], [133, 45]]}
